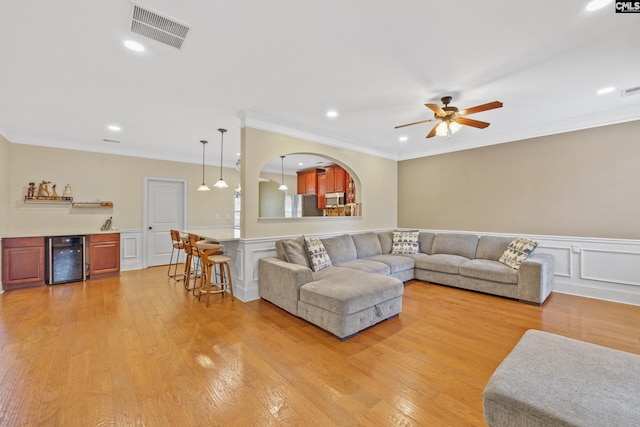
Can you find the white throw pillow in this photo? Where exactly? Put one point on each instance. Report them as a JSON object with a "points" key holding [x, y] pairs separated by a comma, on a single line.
{"points": [[317, 253], [517, 251], [405, 242]]}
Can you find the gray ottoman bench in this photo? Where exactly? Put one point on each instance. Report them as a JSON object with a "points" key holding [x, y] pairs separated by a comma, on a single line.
{"points": [[550, 380], [344, 307]]}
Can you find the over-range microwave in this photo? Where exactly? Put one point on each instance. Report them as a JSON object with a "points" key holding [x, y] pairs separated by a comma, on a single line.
{"points": [[334, 199]]}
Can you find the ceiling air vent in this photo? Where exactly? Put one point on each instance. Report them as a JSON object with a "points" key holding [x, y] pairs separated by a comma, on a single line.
{"points": [[631, 91], [157, 27]]}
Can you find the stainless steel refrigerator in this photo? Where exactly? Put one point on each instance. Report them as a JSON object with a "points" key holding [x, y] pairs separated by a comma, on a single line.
{"points": [[299, 205]]}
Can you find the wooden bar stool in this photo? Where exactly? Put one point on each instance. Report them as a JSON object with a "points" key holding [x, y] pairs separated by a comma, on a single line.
{"points": [[211, 255], [193, 258], [178, 244]]}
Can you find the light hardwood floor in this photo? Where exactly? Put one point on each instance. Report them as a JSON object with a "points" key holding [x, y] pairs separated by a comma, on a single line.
{"points": [[139, 350]]}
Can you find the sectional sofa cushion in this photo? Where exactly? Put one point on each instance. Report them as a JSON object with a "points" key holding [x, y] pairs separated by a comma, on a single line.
{"points": [[405, 242], [367, 265], [492, 247], [367, 244], [396, 263], [317, 253], [340, 248], [442, 263], [493, 271], [386, 241], [295, 251], [352, 294], [463, 245], [426, 241], [518, 251]]}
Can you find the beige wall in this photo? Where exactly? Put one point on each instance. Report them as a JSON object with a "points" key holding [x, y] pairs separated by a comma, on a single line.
{"points": [[375, 177], [584, 183], [4, 185], [95, 176]]}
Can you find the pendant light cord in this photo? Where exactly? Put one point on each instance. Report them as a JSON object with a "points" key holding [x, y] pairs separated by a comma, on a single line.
{"points": [[203, 144], [222, 131]]}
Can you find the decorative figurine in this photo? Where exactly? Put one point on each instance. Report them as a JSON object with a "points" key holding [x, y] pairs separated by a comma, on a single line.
{"points": [[67, 192], [54, 193], [43, 190], [31, 191]]}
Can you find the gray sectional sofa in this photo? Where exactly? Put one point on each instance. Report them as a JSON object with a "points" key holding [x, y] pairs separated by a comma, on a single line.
{"points": [[364, 284]]}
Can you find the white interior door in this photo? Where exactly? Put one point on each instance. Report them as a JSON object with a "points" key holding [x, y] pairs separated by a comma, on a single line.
{"points": [[165, 210]]}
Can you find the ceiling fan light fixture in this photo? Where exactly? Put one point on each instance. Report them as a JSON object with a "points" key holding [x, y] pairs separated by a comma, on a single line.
{"points": [[442, 129], [447, 128]]}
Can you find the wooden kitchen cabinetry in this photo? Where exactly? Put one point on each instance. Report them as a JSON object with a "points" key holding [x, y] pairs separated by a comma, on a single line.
{"points": [[337, 179], [308, 181], [322, 190], [104, 255], [22, 262]]}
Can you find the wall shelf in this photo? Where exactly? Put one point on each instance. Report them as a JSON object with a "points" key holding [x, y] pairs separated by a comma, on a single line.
{"points": [[93, 205], [49, 200]]}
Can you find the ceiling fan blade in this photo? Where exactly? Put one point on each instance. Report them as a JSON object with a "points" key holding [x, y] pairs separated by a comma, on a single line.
{"points": [[471, 122], [414, 123], [433, 131], [483, 107], [436, 109]]}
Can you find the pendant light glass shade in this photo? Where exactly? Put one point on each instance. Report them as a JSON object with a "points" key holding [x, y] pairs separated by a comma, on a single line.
{"points": [[203, 186], [221, 183], [447, 128], [282, 186]]}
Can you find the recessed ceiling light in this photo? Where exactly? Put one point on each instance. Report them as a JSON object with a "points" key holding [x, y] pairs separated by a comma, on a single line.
{"points": [[403, 139], [596, 4], [114, 128], [300, 164], [332, 113], [606, 90], [134, 46]]}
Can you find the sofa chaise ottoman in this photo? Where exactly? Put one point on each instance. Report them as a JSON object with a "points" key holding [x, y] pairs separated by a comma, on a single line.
{"points": [[551, 380]]}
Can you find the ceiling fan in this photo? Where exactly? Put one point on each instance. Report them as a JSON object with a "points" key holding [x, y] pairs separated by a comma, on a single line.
{"points": [[451, 118]]}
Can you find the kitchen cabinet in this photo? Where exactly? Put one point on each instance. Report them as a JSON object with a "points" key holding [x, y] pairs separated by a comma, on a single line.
{"points": [[322, 190], [308, 181], [337, 179], [22, 262], [104, 255]]}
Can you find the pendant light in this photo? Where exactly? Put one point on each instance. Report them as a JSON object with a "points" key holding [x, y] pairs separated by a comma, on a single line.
{"points": [[221, 183], [203, 186], [282, 186]]}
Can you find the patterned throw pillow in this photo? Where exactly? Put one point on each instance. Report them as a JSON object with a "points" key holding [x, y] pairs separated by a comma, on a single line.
{"points": [[517, 251], [405, 242], [317, 253]]}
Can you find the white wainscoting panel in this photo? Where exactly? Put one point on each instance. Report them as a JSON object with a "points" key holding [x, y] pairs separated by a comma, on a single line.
{"points": [[130, 250], [249, 252], [611, 266], [606, 269], [563, 259]]}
